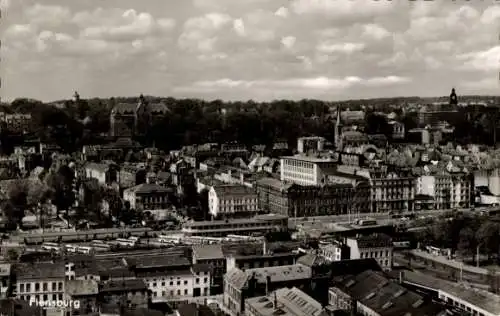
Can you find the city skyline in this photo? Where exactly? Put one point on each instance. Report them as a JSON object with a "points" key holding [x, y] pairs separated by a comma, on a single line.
{"points": [[248, 49]]}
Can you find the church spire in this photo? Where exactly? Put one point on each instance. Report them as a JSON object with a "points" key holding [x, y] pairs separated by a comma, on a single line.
{"points": [[453, 97]]}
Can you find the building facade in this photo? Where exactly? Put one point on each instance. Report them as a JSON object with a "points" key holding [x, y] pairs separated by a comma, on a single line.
{"points": [[231, 200]]}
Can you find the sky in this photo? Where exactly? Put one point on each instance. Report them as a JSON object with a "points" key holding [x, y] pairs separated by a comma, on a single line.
{"points": [[249, 49]]}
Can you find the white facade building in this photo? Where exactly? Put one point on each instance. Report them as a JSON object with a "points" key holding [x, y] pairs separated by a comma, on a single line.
{"points": [[305, 170]]}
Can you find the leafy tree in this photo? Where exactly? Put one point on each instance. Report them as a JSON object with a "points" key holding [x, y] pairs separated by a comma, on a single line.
{"points": [[488, 237], [12, 255], [467, 241]]}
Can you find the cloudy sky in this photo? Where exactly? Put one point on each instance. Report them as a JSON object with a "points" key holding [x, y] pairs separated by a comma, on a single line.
{"points": [[249, 49]]}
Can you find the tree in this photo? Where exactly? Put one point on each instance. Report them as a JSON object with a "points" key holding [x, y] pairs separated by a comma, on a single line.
{"points": [[488, 237], [467, 241], [12, 254], [61, 185]]}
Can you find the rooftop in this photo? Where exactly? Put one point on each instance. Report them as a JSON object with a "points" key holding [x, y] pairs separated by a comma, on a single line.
{"points": [[82, 287], [5, 269], [149, 188], [482, 299], [308, 158], [208, 252], [39, 270], [280, 273], [124, 285], [286, 301], [157, 261]]}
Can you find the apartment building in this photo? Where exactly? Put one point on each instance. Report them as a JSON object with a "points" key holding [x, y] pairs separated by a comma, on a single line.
{"points": [[105, 173], [450, 187], [232, 200], [390, 190], [376, 246], [313, 143], [172, 277]]}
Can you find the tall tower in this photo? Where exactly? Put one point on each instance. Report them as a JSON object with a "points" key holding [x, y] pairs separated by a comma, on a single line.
{"points": [[453, 97], [76, 97], [338, 130]]}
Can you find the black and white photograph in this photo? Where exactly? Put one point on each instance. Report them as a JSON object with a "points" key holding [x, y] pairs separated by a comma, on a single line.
{"points": [[250, 158]]}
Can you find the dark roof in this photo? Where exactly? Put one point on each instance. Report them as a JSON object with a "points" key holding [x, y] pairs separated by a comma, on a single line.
{"points": [[143, 312], [374, 290], [157, 261], [354, 266], [199, 267], [191, 309], [39, 270], [374, 241], [123, 285]]}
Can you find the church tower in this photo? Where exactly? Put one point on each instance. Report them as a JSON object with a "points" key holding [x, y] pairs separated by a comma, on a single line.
{"points": [[453, 97], [338, 130], [76, 97]]}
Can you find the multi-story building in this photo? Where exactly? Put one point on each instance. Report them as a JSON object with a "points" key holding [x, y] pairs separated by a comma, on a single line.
{"points": [[212, 256], [376, 246], [285, 301], [5, 280], [105, 173], [128, 293], [129, 120], [131, 175], [40, 281], [231, 200], [148, 197], [240, 285], [335, 251], [306, 170], [86, 292], [16, 123], [314, 143], [172, 277], [296, 200], [449, 187], [391, 191]]}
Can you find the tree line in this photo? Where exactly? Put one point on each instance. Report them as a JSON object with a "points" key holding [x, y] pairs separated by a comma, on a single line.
{"points": [[191, 121]]}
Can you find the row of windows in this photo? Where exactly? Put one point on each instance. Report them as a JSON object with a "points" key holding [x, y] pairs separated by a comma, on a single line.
{"points": [[461, 306], [171, 283], [238, 201], [41, 297], [56, 286]]}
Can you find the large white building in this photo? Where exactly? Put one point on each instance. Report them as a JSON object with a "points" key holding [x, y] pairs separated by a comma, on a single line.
{"points": [[306, 170], [227, 200], [449, 189]]}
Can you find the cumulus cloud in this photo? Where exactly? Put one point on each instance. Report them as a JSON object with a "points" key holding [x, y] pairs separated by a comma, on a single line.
{"points": [[320, 83], [286, 48]]}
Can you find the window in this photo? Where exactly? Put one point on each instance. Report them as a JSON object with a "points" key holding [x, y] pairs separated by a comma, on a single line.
{"points": [[162, 283], [178, 292], [37, 287], [178, 282], [171, 282], [197, 280], [45, 286], [21, 287], [45, 297], [54, 286], [185, 282], [28, 287], [185, 292], [205, 280], [60, 285], [154, 284]]}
